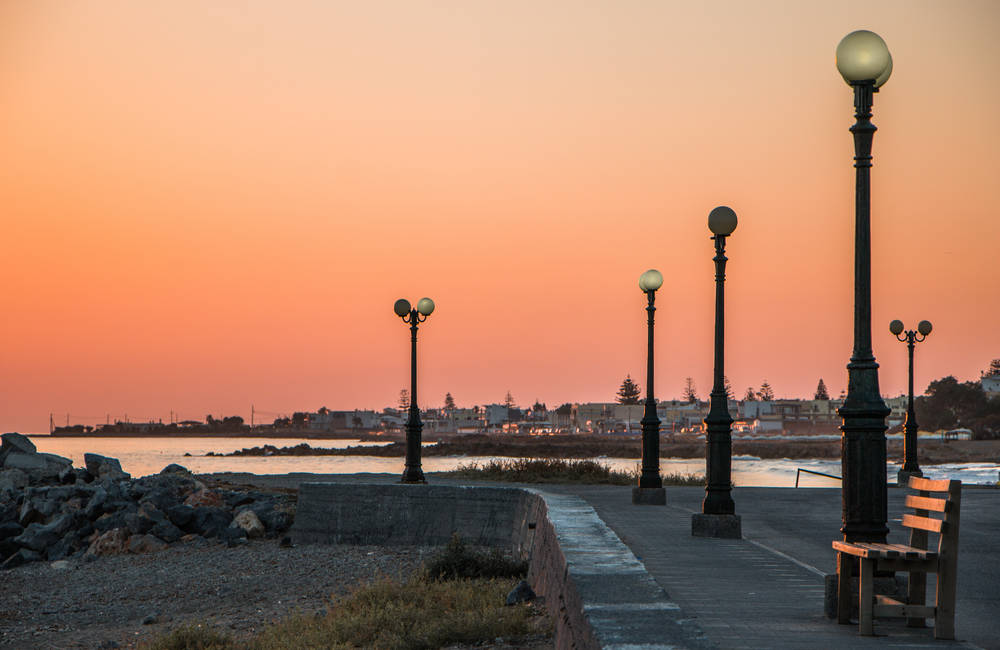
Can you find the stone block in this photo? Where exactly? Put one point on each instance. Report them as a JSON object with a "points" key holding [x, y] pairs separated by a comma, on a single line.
{"points": [[722, 526], [649, 496]]}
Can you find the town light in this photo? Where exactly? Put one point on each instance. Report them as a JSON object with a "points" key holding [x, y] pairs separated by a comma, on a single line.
{"points": [[865, 63], [650, 489], [718, 516], [412, 472], [911, 467]]}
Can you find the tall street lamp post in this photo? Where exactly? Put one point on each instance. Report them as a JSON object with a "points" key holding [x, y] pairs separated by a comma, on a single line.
{"points": [[910, 465], [650, 489], [412, 473], [718, 516], [865, 63]]}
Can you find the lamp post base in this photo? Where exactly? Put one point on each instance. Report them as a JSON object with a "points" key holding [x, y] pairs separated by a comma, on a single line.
{"points": [[413, 476], [649, 496], [903, 476], [722, 526]]}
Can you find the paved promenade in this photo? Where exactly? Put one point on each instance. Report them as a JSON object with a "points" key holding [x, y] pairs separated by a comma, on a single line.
{"points": [[766, 591]]}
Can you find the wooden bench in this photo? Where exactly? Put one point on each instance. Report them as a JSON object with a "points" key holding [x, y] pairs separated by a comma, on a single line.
{"points": [[917, 558]]}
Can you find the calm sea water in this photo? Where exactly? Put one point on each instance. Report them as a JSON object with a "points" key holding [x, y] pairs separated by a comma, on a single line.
{"points": [[142, 456]]}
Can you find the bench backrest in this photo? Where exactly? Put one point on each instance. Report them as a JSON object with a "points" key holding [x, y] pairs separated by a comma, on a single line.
{"points": [[936, 508]]}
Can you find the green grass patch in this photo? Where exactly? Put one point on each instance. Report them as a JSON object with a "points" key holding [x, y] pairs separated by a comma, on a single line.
{"points": [[458, 560], [555, 470], [192, 637]]}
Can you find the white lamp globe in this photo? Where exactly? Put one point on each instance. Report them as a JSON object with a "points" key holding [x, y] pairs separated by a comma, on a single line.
{"points": [[884, 77], [861, 56], [651, 280], [425, 306]]}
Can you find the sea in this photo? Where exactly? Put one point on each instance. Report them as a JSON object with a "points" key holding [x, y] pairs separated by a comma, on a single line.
{"points": [[142, 456]]}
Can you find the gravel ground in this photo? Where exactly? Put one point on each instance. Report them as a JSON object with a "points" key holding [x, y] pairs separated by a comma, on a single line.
{"points": [[104, 602]]}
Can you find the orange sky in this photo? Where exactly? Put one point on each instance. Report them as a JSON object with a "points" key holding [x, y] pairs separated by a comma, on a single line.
{"points": [[208, 205]]}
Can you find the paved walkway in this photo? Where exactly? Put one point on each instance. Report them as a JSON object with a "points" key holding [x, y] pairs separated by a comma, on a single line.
{"points": [[767, 590]]}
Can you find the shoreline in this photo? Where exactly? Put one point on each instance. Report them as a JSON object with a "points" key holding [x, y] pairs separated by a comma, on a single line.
{"points": [[931, 452]]}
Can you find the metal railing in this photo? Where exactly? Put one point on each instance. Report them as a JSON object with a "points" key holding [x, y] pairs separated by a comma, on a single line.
{"points": [[809, 471]]}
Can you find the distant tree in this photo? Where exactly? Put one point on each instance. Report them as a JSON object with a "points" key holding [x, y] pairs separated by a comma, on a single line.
{"points": [[821, 392], [766, 393], [449, 402], [299, 420], [508, 401], [323, 410], [628, 393], [994, 368], [728, 388], [750, 395], [690, 393], [538, 407], [947, 403], [404, 399]]}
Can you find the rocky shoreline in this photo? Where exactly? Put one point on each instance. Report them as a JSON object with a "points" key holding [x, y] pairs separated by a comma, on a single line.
{"points": [[50, 510]]}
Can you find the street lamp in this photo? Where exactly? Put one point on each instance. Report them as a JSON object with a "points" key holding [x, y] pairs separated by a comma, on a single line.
{"points": [[910, 465], [650, 489], [865, 63], [412, 472], [718, 516]]}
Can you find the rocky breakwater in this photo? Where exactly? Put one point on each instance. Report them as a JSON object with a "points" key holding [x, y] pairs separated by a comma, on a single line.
{"points": [[50, 510]]}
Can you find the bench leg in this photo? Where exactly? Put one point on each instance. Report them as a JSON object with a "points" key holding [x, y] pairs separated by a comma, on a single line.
{"points": [[944, 606], [916, 594], [867, 597], [844, 600]]}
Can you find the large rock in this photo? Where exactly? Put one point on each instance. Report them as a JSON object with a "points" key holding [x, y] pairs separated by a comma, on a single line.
{"points": [[38, 467], [113, 542], [21, 557], [39, 537], [167, 532], [181, 515], [145, 544], [13, 479], [248, 521], [204, 497], [174, 468], [105, 468], [15, 442], [10, 529], [210, 521]]}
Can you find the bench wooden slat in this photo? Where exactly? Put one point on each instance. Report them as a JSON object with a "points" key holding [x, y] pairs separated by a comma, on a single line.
{"points": [[875, 551], [886, 606], [924, 523], [929, 485], [926, 503]]}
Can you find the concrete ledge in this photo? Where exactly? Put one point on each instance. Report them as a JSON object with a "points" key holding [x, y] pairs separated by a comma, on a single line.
{"points": [[723, 526], [397, 514], [649, 496]]}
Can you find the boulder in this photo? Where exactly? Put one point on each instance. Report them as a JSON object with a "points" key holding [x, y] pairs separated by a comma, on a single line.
{"points": [[204, 497], [167, 532], [38, 467], [105, 468], [10, 529], [21, 557], [15, 442], [112, 542], [174, 468], [145, 544], [181, 515], [39, 537], [95, 506], [520, 594], [13, 479], [210, 521], [248, 521]]}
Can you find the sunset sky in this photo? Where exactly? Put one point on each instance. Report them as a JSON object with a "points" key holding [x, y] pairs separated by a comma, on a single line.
{"points": [[208, 205]]}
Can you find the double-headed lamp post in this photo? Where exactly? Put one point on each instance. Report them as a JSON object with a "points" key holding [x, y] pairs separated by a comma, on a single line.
{"points": [[865, 63], [718, 516], [650, 489], [910, 465], [412, 473]]}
